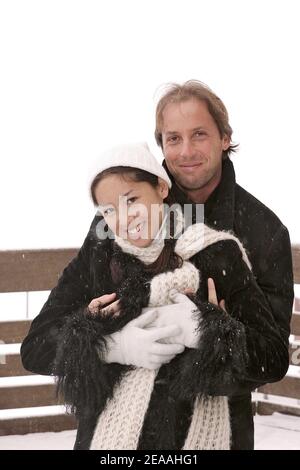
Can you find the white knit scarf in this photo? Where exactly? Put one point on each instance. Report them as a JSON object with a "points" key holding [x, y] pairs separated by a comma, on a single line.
{"points": [[120, 424]]}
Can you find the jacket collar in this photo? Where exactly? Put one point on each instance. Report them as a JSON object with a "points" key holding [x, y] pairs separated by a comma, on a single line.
{"points": [[219, 207]]}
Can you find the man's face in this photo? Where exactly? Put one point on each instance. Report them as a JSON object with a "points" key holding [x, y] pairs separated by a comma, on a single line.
{"points": [[192, 145]]}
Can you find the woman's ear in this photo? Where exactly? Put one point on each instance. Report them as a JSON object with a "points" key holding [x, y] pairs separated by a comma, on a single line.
{"points": [[163, 188]]}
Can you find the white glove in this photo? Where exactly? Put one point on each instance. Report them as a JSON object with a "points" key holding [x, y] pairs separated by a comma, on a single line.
{"points": [[183, 313], [138, 346]]}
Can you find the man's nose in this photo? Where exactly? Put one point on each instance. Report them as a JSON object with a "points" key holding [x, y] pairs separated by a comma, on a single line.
{"points": [[187, 149]]}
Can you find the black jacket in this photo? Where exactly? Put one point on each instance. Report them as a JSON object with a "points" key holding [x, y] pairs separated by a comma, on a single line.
{"points": [[267, 242], [237, 352]]}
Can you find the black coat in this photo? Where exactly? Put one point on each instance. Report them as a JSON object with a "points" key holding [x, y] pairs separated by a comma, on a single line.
{"points": [[268, 245], [237, 352]]}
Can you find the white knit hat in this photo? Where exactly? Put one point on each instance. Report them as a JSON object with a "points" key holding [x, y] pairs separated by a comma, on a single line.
{"points": [[133, 155]]}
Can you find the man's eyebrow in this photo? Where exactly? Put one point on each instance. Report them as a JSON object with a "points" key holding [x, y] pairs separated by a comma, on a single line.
{"points": [[171, 132], [193, 130]]}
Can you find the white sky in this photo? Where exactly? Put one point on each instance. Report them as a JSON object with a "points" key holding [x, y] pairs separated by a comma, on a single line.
{"points": [[78, 77]]}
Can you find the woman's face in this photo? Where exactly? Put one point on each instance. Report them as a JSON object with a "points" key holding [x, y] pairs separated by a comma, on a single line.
{"points": [[132, 210]]}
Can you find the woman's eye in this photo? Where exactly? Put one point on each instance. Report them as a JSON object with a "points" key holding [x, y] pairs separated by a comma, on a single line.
{"points": [[109, 211], [131, 200]]}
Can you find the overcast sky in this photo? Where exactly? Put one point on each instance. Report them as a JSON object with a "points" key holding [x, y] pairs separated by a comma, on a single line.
{"points": [[78, 77]]}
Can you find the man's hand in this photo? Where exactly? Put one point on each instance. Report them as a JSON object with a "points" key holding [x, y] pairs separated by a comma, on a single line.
{"points": [[212, 294]]}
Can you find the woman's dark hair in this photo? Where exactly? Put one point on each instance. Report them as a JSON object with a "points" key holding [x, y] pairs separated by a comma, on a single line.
{"points": [[168, 259]]}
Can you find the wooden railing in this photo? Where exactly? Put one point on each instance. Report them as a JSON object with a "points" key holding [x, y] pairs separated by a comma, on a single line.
{"points": [[284, 396], [27, 401]]}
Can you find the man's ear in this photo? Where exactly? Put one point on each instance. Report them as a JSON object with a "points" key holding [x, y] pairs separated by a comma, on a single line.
{"points": [[163, 188], [225, 142]]}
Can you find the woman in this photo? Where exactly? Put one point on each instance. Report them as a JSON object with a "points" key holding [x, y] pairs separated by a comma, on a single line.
{"points": [[177, 405]]}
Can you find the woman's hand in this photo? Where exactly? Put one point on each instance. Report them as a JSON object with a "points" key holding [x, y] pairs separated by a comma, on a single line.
{"points": [[138, 345], [105, 305]]}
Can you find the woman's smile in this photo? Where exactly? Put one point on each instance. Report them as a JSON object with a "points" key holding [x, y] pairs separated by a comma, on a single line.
{"points": [[136, 231]]}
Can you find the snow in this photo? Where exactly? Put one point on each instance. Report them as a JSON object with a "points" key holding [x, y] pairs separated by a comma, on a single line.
{"points": [[275, 432], [39, 441], [20, 306], [293, 371], [15, 413], [26, 381], [9, 349], [276, 399]]}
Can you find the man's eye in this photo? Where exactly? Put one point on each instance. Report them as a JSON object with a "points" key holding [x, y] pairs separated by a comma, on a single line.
{"points": [[173, 139], [199, 134]]}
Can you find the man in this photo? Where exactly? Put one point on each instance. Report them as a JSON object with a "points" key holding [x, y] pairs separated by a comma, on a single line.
{"points": [[193, 131]]}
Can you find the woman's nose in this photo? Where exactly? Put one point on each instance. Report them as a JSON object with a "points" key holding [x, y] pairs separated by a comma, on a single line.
{"points": [[125, 221], [130, 218]]}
